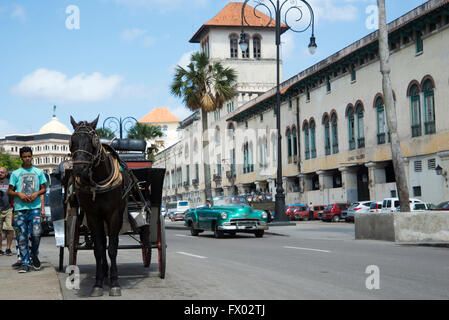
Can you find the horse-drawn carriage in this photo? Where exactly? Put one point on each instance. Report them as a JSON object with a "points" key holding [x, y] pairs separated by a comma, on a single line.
{"points": [[85, 213]]}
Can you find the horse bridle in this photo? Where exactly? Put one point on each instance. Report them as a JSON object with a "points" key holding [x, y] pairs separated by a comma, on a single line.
{"points": [[95, 158]]}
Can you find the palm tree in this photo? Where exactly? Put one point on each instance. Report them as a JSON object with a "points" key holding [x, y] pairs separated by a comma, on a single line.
{"points": [[204, 86], [105, 133], [143, 131], [390, 107]]}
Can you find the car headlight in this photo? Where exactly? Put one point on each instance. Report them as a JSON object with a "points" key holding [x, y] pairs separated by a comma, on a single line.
{"points": [[264, 215], [224, 215]]}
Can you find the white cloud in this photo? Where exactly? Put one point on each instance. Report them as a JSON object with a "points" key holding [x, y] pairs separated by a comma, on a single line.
{"points": [[160, 5], [335, 10], [181, 112], [55, 86], [18, 13]]}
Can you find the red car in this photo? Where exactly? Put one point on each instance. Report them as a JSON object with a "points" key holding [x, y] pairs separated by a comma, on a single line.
{"points": [[290, 210], [333, 212], [301, 213], [444, 206]]}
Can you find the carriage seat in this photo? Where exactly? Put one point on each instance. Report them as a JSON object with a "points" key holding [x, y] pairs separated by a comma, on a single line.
{"points": [[126, 144]]}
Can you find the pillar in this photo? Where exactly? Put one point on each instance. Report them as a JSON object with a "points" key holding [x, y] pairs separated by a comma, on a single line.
{"points": [[349, 184]]}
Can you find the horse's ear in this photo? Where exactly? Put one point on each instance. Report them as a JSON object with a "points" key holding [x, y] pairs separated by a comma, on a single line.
{"points": [[95, 122], [73, 122]]}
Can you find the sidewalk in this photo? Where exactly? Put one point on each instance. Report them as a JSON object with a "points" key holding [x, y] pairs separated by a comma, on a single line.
{"points": [[34, 285]]}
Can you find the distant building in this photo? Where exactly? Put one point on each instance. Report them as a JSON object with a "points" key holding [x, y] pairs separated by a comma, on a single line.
{"points": [[50, 145], [167, 122]]}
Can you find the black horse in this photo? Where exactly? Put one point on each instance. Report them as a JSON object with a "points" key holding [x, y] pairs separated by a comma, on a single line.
{"points": [[99, 185]]}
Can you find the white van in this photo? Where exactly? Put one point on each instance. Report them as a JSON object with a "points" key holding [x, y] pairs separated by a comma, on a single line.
{"points": [[391, 204], [176, 209]]}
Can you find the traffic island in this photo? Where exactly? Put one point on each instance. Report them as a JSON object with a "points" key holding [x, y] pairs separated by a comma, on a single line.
{"points": [[404, 227]]}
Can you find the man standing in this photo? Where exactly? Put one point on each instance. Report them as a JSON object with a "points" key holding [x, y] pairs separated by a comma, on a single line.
{"points": [[5, 212], [26, 185]]}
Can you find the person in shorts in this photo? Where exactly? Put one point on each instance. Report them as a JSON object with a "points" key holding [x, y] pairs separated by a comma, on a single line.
{"points": [[5, 213], [26, 185]]}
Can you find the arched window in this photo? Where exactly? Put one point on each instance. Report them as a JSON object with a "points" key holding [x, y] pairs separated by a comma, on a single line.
{"points": [[334, 133], [351, 128], [381, 121], [234, 46], [306, 141], [360, 126], [295, 143], [415, 111], [257, 47], [312, 139], [250, 158], [265, 151], [327, 140], [245, 157], [429, 107], [289, 145]]}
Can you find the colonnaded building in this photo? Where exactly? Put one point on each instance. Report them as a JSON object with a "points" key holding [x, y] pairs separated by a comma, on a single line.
{"points": [[336, 144], [50, 145]]}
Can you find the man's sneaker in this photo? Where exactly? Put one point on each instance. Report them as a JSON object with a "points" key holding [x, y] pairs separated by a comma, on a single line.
{"points": [[17, 264], [36, 263], [1, 252], [8, 252], [24, 269]]}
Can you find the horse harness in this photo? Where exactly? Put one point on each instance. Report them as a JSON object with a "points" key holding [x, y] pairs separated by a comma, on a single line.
{"points": [[115, 178]]}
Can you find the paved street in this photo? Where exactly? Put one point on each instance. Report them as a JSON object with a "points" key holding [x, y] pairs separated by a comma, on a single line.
{"points": [[312, 260]]}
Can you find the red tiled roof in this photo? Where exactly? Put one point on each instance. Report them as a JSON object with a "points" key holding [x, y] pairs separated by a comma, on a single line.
{"points": [[159, 115], [231, 16]]}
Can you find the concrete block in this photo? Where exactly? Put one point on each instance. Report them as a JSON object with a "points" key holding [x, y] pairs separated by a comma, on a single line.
{"points": [[412, 227]]}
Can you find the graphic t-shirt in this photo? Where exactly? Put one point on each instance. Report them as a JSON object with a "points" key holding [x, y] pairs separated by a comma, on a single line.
{"points": [[4, 199], [27, 181]]}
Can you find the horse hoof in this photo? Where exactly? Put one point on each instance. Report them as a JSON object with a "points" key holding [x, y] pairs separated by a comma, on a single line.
{"points": [[115, 292], [96, 292]]}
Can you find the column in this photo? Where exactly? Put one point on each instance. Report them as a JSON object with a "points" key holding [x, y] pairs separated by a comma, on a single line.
{"points": [[376, 175], [349, 183], [444, 157]]}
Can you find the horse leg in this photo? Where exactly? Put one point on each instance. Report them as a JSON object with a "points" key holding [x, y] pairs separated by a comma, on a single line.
{"points": [[99, 251], [104, 264], [114, 226]]}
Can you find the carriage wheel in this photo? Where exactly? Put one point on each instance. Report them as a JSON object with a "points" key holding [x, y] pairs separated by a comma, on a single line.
{"points": [[161, 246], [73, 239], [146, 246]]}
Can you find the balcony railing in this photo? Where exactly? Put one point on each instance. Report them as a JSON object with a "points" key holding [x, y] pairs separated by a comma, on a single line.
{"points": [[361, 143], [335, 148], [307, 154], [381, 138], [430, 127], [327, 149], [195, 182], [351, 144], [313, 153], [416, 130], [217, 177]]}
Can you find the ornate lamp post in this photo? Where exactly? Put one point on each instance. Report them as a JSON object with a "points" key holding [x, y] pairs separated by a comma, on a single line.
{"points": [[120, 124], [277, 7]]}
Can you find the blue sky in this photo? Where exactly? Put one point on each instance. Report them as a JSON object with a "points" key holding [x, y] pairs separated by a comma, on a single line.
{"points": [[120, 61]]}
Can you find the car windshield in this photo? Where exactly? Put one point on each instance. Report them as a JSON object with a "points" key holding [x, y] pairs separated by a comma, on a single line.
{"points": [[229, 201], [329, 207], [183, 203], [443, 205]]}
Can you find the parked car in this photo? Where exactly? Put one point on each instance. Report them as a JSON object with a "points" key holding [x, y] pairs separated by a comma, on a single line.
{"points": [[443, 206], [227, 215], [375, 207], [163, 211], [391, 204], [416, 207], [430, 206], [357, 207], [318, 211], [177, 209], [301, 213], [333, 212], [290, 210], [46, 222]]}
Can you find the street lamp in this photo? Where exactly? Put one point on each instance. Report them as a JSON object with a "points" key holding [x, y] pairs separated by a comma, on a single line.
{"points": [[277, 9], [115, 124]]}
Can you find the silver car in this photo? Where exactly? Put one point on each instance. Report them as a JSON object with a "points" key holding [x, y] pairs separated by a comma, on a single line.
{"points": [[357, 207]]}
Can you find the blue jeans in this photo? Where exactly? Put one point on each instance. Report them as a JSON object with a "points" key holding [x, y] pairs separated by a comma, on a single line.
{"points": [[27, 223]]}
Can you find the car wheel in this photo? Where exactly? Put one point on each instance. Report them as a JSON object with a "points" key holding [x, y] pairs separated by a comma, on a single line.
{"points": [[193, 231], [259, 233], [218, 233], [336, 218]]}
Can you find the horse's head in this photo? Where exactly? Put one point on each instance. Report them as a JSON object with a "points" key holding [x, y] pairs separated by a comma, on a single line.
{"points": [[85, 147]]}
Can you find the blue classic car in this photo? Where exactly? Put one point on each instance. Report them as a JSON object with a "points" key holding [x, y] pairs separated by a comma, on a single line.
{"points": [[226, 215]]}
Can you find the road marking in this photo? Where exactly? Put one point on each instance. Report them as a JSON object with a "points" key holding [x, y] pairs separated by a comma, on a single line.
{"points": [[307, 249], [191, 255]]}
